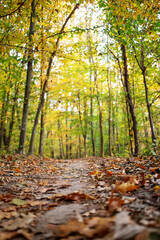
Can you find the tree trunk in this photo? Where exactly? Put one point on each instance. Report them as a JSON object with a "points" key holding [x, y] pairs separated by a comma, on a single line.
{"points": [[41, 139], [2, 123], [149, 113], [41, 101], [130, 128], [67, 147], [12, 118], [70, 145], [28, 81], [143, 68], [60, 143], [41, 134], [129, 99], [79, 146], [91, 123], [109, 117]]}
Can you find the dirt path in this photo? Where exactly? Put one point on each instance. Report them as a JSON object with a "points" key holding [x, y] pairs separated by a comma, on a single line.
{"points": [[79, 199]]}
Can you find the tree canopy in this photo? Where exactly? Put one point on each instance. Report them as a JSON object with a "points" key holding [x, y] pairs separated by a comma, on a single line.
{"points": [[80, 78]]}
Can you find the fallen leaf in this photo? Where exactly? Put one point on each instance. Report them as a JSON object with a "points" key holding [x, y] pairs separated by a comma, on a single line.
{"points": [[128, 186], [20, 222], [157, 188], [7, 235], [18, 202], [6, 197], [75, 196], [89, 228], [7, 214], [37, 203]]}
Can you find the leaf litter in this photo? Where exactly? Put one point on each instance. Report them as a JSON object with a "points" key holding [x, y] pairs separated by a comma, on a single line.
{"points": [[91, 198]]}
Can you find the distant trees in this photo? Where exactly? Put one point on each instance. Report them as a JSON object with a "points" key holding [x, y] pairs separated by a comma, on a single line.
{"points": [[94, 80]]}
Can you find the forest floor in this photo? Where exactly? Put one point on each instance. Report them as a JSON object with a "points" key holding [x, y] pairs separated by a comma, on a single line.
{"points": [[78, 199]]}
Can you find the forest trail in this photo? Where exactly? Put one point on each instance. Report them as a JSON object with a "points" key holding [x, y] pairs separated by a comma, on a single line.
{"points": [[78, 199]]}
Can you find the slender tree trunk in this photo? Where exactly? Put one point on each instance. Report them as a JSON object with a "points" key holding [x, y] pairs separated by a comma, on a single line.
{"points": [[60, 144], [91, 95], [5, 113], [91, 60], [41, 139], [143, 68], [70, 145], [109, 117], [91, 123], [149, 112], [113, 128], [100, 114], [28, 81], [126, 98], [130, 128], [41, 134], [41, 101], [101, 133], [145, 129], [85, 127], [117, 131], [129, 99], [12, 118], [2, 123], [79, 146], [67, 147]]}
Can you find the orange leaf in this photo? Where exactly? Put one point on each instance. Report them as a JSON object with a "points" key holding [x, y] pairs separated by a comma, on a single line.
{"points": [[109, 173], [153, 169], [18, 169], [127, 186]]}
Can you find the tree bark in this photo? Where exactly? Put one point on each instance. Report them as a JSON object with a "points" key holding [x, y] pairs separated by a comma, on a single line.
{"points": [[41, 134], [41, 101], [41, 139], [28, 81], [129, 99], [91, 123], [109, 117], [83, 126], [143, 68], [7, 146], [67, 147], [79, 147], [60, 141]]}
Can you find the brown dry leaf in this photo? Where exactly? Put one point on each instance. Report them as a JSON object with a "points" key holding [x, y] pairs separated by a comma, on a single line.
{"points": [[37, 203], [6, 197], [20, 222], [89, 228], [7, 235], [115, 203], [75, 196], [10, 235], [128, 186], [7, 214], [43, 183], [10, 208]]}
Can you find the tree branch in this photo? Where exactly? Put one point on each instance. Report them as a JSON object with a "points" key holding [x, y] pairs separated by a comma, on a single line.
{"points": [[8, 14]]}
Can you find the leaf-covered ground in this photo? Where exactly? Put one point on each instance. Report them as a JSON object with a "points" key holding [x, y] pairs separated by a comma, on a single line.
{"points": [[91, 198]]}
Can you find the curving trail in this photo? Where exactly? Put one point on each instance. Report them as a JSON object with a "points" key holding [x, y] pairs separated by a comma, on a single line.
{"points": [[79, 199]]}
